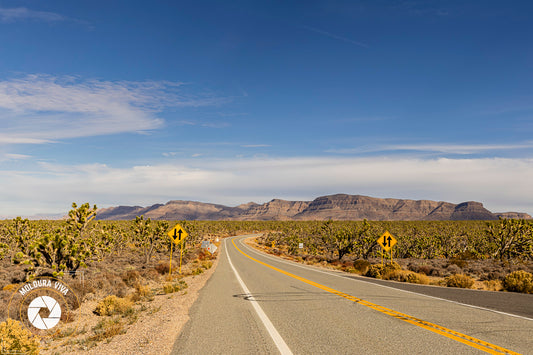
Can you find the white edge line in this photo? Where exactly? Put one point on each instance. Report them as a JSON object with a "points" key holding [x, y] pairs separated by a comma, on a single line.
{"points": [[331, 273], [276, 337]]}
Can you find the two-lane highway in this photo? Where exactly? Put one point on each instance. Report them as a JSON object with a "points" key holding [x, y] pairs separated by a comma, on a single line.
{"points": [[256, 303]]}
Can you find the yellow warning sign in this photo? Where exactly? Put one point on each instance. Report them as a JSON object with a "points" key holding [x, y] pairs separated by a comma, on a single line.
{"points": [[177, 234], [387, 241]]}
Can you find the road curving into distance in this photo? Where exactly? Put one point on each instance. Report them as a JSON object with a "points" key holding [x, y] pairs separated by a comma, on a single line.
{"points": [[256, 303]]}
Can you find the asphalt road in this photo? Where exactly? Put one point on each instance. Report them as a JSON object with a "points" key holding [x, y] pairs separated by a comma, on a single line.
{"points": [[274, 306]]}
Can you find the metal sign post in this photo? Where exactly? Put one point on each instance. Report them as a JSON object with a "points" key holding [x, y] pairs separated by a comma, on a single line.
{"points": [[177, 235], [387, 241]]}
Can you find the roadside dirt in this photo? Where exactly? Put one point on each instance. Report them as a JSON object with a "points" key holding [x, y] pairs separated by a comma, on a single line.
{"points": [[152, 331]]}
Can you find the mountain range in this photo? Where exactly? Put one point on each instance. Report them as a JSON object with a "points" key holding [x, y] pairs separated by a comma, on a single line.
{"points": [[335, 207]]}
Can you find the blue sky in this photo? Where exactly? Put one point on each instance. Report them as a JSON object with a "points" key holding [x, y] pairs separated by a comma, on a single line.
{"points": [[141, 102]]}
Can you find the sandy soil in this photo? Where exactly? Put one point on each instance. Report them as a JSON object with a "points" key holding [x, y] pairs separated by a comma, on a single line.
{"points": [[154, 332]]}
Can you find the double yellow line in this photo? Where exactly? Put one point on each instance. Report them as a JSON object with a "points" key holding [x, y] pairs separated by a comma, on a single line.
{"points": [[462, 338]]}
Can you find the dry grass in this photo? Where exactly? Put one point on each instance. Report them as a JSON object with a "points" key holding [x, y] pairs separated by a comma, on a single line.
{"points": [[518, 281], [460, 281], [112, 305], [15, 339], [406, 276], [174, 287], [107, 329]]}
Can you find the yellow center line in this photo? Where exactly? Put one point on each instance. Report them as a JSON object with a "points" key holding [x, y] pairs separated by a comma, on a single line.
{"points": [[462, 338]]}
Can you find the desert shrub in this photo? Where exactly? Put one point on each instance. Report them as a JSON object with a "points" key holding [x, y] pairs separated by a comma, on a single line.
{"points": [[375, 271], [110, 284], [112, 305], [151, 274], [378, 271], [397, 275], [197, 271], [454, 269], [518, 281], [106, 329], [417, 278], [141, 292], [81, 288], [424, 269], [406, 276], [493, 275], [16, 339], [361, 265], [459, 262], [163, 268], [493, 285], [207, 264], [9, 287], [459, 280], [130, 277], [175, 287], [436, 271]]}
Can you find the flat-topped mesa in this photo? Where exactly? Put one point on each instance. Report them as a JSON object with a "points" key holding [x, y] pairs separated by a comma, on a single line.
{"points": [[513, 215], [274, 210], [356, 207], [335, 207], [471, 210]]}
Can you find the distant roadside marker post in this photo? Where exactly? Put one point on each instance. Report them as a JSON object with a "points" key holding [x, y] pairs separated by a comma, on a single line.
{"points": [[177, 235], [387, 241]]}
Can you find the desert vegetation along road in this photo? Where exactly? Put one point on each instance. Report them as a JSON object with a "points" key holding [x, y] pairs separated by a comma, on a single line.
{"points": [[315, 312]]}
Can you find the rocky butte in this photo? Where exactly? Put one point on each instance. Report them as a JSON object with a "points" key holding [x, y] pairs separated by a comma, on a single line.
{"points": [[335, 207]]}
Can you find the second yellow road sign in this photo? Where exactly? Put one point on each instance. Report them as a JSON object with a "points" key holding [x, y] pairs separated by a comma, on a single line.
{"points": [[177, 234], [387, 241]]}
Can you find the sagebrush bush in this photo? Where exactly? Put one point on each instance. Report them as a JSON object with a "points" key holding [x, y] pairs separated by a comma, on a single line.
{"points": [[375, 271], [378, 271], [142, 292], [175, 287], [397, 275], [493, 285], [460, 281], [163, 268], [113, 305], [197, 271], [361, 265], [417, 278], [131, 277], [16, 339], [453, 269], [424, 269], [106, 329], [207, 264], [459, 262], [518, 281], [406, 276]]}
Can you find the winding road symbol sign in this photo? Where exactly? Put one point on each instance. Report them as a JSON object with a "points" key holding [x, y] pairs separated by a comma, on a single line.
{"points": [[177, 234], [387, 241]]}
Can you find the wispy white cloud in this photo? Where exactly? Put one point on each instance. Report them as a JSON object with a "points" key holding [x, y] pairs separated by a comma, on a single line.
{"points": [[437, 148], [334, 36], [16, 156], [501, 184], [22, 13], [44, 108], [5, 139]]}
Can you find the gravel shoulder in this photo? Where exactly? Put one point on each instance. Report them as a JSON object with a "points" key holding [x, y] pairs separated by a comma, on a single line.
{"points": [[153, 332]]}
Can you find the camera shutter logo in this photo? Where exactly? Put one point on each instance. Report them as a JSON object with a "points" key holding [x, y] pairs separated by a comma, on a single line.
{"points": [[44, 302]]}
